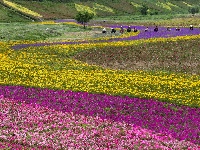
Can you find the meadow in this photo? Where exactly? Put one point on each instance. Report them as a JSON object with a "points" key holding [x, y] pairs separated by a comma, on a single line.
{"points": [[64, 87]]}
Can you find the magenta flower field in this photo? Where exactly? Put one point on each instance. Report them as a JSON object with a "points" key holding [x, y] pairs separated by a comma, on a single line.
{"points": [[33, 125], [180, 122]]}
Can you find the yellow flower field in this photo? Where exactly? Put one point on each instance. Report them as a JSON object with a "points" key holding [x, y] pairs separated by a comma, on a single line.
{"points": [[43, 67], [21, 8]]}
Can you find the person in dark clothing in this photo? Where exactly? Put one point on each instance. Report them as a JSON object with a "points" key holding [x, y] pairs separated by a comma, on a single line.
{"points": [[156, 29], [191, 27], [113, 30], [121, 30], [178, 29], [135, 30], [129, 29]]}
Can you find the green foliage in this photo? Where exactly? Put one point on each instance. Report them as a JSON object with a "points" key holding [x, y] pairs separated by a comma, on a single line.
{"points": [[56, 9], [144, 9], [8, 15], [84, 17], [161, 20], [193, 10]]}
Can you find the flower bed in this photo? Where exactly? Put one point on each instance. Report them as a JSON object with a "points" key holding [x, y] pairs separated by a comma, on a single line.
{"points": [[66, 73], [36, 126], [51, 101], [22, 9], [162, 33]]}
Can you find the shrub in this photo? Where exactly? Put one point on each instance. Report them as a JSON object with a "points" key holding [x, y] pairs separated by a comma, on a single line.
{"points": [[193, 9], [84, 17]]}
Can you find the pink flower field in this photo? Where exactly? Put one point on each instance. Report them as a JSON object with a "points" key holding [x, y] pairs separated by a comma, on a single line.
{"points": [[30, 126]]}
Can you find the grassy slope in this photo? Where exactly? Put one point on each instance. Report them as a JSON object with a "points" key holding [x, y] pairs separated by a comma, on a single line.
{"points": [[160, 20], [7, 15], [32, 31], [56, 10]]}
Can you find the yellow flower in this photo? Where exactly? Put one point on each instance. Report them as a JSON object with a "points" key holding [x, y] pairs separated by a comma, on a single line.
{"points": [[21, 8]]}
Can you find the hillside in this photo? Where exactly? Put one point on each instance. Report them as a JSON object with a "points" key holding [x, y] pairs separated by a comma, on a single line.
{"points": [[7, 15], [58, 9]]}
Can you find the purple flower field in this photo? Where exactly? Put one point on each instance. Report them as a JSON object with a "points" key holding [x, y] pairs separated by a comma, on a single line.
{"points": [[162, 32], [180, 122]]}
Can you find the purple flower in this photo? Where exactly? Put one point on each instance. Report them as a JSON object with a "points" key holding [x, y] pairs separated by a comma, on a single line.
{"points": [[162, 32]]}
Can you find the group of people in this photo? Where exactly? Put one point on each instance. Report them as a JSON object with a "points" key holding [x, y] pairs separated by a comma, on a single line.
{"points": [[168, 28], [129, 29], [121, 30], [155, 29], [146, 29], [178, 29]]}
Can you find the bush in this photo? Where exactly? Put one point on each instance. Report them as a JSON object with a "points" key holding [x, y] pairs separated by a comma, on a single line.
{"points": [[193, 10], [144, 9], [84, 17]]}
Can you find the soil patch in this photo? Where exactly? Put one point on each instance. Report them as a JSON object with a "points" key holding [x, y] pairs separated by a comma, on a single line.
{"points": [[180, 56]]}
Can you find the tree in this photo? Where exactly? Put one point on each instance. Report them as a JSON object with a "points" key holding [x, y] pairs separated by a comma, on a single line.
{"points": [[84, 17], [144, 9], [193, 10]]}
